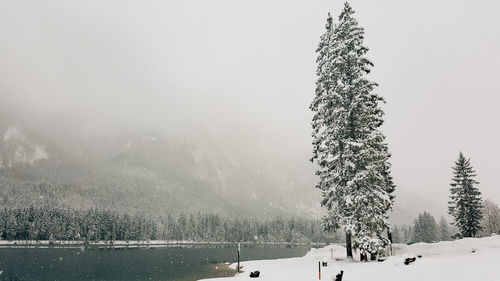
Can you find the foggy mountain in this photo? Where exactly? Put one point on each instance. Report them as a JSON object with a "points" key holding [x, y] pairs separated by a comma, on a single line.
{"points": [[158, 174], [152, 173]]}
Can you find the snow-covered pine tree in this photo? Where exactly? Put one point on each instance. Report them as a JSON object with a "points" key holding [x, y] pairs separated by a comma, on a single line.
{"points": [[348, 146], [491, 220], [425, 229], [465, 203], [444, 230], [396, 235], [410, 234]]}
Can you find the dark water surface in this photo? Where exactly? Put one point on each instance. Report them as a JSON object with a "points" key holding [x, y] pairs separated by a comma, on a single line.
{"points": [[179, 263]]}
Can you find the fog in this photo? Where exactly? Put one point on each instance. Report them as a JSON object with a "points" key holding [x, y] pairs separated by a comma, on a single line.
{"points": [[248, 68]]}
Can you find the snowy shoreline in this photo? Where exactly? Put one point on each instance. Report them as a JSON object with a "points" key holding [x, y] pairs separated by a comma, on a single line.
{"points": [[132, 244], [465, 259]]}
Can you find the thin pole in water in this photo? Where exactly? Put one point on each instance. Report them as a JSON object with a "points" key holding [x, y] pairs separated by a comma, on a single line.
{"points": [[331, 252], [239, 257]]}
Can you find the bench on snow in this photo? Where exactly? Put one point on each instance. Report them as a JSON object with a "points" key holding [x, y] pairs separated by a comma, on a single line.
{"points": [[409, 260]]}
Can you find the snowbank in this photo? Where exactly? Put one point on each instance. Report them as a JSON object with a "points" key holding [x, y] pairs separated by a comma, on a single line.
{"points": [[465, 259]]}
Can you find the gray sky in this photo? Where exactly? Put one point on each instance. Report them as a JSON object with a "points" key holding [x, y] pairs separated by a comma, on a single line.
{"points": [[249, 66]]}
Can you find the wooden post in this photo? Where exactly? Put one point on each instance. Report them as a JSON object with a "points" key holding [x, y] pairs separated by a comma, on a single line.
{"points": [[319, 268], [331, 252], [239, 257]]}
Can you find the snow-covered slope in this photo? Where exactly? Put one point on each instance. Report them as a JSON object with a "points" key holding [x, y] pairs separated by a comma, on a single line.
{"points": [[149, 173], [17, 149], [466, 259]]}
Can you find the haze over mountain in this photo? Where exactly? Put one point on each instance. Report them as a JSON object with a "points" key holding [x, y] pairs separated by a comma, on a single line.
{"points": [[151, 173], [200, 171]]}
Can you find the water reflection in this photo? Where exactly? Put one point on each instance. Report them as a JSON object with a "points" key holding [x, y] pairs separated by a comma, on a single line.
{"points": [[179, 263]]}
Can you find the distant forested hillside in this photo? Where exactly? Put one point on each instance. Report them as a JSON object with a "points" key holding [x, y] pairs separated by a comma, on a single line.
{"points": [[151, 174]]}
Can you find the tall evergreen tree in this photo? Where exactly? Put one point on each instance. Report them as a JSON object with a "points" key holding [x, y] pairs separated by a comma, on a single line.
{"points": [[465, 203], [348, 146]]}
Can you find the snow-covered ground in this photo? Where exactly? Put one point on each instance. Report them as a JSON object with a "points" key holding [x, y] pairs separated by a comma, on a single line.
{"points": [[470, 259]]}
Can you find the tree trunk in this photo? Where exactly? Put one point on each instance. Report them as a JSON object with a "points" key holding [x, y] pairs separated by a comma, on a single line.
{"points": [[348, 245]]}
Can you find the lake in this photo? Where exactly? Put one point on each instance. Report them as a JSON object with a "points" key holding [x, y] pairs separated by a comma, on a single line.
{"points": [[171, 263]]}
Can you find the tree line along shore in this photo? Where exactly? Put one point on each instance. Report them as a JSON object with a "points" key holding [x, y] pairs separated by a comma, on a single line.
{"points": [[58, 224]]}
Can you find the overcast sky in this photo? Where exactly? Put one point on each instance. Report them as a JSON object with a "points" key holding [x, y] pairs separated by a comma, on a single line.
{"points": [[250, 66]]}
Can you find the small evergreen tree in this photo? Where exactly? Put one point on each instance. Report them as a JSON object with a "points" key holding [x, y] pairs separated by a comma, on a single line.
{"points": [[491, 220], [406, 234], [465, 203], [444, 230], [396, 235], [348, 146], [425, 229]]}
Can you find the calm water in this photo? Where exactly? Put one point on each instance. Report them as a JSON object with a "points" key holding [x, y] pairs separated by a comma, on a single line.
{"points": [[181, 263]]}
